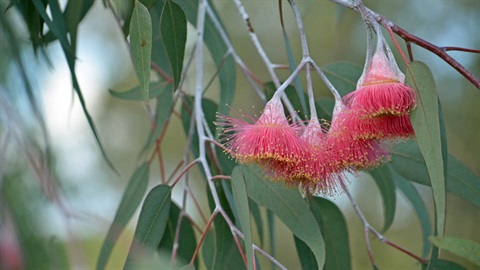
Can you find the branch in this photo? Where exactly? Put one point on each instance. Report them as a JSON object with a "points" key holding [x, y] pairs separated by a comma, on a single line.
{"points": [[441, 52]]}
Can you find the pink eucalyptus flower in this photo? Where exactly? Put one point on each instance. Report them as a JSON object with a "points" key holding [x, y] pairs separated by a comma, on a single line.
{"points": [[381, 91], [352, 152], [385, 127], [270, 138], [314, 173]]}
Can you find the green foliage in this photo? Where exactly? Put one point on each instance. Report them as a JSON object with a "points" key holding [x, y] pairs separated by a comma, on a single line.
{"points": [[243, 210], [141, 46], [426, 124], [289, 206], [462, 247], [151, 225], [130, 201], [173, 26], [186, 238], [385, 183]]}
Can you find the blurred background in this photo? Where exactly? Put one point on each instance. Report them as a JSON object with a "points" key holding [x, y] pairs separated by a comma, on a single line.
{"points": [[75, 203]]}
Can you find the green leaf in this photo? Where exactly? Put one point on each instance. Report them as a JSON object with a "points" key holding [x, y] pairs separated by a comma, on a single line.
{"points": [[162, 115], [307, 259], [325, 108], [425, 121], [218, 50], [186, 238], [335, 232], [383, 178], [444, 264], [151, 224], [219, 248], [289, 206], [173, 27], [156, 89], [241, 202], [418, 205], [343, 75], [257, 218], [141, 46], [464, 248], [131, 199]]}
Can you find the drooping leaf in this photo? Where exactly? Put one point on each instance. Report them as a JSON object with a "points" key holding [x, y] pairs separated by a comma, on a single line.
{"points": [[162, 115], [464, 248], [419, 206], [131, 199], [219, 249], [173, 27], [151, 224], [289, 206], [305, 255], [257, 218], [155, 89], [59, 30], [186, 238], [218, 50], [426, 124], [141, 46], [408, 161], [444, 264], [241, 202], [343, 75], [384, 180], [271, 234], [159, 52], [334, 231]]}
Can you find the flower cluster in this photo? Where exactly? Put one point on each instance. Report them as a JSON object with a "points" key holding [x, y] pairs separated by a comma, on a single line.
{"points": [[314, 157]]}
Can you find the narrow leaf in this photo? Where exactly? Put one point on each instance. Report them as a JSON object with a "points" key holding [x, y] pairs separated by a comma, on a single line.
{"points": [[219, 52], [241, 202], [173, 27], [151, 224], [131, 199], [426, 124], [335, 232], [289, 206], [162, 115], [186, 238], [383, 178], [418, 205], [343, 75], [141, 46], [408, 161], [464, 248], [155, 89]]}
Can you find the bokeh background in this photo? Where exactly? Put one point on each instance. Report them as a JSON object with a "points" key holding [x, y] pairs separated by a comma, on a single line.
{"points": [[89, 191]]}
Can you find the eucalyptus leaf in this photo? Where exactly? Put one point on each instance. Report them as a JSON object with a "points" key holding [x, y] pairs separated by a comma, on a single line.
{"points": [[151, 224], [241, 202], [464, 248], [186, 238], [173, 27], [426, 123], [141, 46], [343, 75], [289, 206], [131, 199], [156, 89], [219, 52], [384, 180], [411, 193]]}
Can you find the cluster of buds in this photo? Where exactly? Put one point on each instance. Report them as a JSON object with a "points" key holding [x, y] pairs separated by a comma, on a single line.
{"points": [[314, 156]]}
